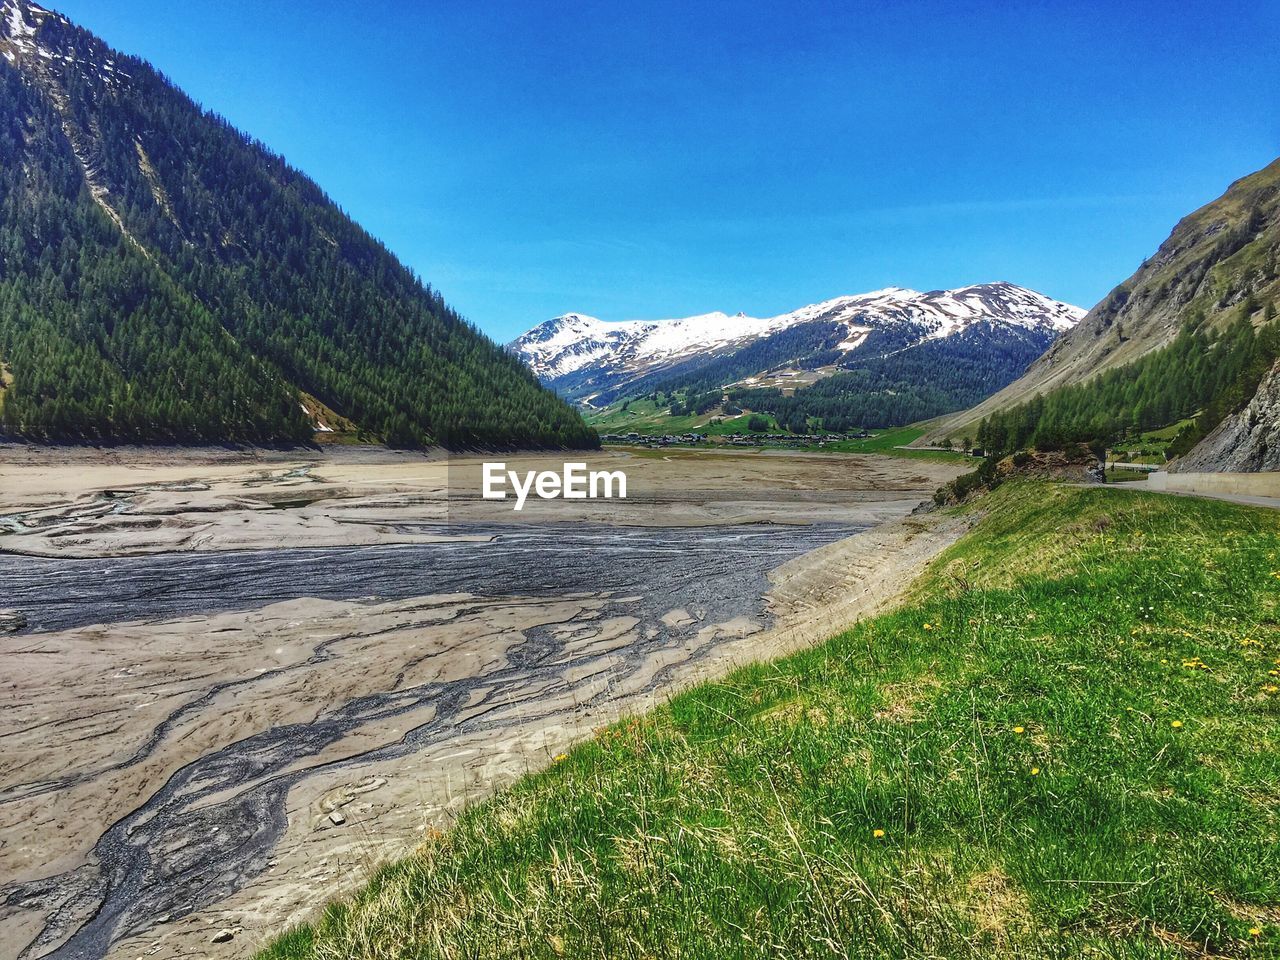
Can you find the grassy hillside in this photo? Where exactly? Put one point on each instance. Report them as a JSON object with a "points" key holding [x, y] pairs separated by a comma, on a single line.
{"points": [[1066, 743], [646, 416]]}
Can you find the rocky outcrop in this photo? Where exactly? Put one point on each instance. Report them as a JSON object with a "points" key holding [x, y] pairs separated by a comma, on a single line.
{"points": [[1075, 464], [1246, 442]]}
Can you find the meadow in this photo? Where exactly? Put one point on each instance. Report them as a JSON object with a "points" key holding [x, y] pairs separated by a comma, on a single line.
{"points": [[644, 417]]}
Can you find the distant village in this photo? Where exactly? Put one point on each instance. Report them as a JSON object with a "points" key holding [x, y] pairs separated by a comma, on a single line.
{"points": [[733, 439]]}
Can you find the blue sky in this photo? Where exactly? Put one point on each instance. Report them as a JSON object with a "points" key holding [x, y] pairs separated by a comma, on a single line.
{"points": [[644, 160]]}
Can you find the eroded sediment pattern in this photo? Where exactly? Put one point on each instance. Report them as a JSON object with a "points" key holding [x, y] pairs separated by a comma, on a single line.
{"points": [[247, 680], [153, 768]]}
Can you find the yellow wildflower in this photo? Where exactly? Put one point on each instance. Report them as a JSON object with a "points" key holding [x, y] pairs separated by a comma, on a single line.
{"points": [[1255, 931], [877, 833], [1018, 730], [561, 756], [1176, 724], [1035, 771]]}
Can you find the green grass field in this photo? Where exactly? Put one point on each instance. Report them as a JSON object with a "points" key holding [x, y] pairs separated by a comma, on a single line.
{"points": [[1065, 744], [646, 417], [892, 442]]}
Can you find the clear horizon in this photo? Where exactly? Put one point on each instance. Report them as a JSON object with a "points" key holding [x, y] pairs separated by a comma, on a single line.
{"points": [[640, 162]]}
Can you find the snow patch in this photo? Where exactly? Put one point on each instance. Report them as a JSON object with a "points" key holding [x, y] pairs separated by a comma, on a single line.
{"points": [[18, 26], [855, 337]]}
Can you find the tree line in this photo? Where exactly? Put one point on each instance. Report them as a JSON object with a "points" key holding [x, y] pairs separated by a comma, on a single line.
{"points": [[1202, 374]]}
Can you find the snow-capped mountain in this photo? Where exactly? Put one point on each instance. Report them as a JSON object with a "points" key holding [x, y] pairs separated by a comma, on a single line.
{"points": [[598, 361]]}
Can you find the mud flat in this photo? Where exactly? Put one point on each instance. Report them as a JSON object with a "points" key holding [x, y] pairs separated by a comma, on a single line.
{"points": [[134, 501], [217, 739]]}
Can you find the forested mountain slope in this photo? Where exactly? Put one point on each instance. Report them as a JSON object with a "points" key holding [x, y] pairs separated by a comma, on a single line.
{"points": [[901, 386], [163, 276], [1217, 261], [1202, 378]]}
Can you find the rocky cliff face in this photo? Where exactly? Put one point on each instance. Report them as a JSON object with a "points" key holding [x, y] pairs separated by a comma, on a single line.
{"points": [[1246, 442]]}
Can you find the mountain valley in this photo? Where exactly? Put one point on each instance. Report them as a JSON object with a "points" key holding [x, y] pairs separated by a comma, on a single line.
{"points": [[908, 624]]}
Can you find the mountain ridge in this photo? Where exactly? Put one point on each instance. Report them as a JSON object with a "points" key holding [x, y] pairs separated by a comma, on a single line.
{"points": [[585, 358]]}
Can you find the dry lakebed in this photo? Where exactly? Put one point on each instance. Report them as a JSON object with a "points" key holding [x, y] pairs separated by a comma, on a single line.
{"points": [[246, 679]]}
